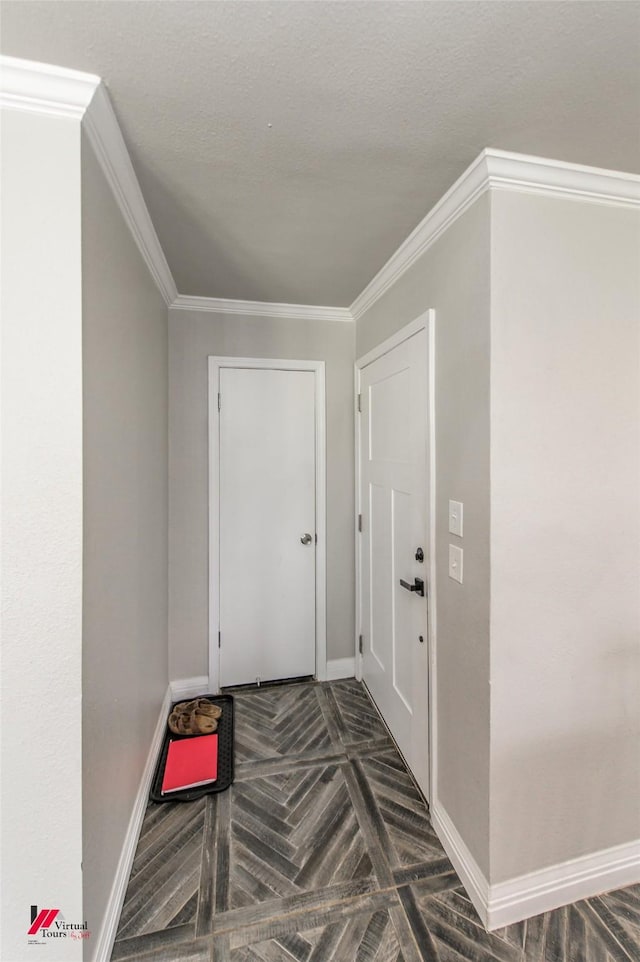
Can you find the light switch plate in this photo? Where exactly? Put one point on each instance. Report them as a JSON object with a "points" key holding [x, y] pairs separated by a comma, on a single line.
{"points": [[455, 563], [456, 509]]}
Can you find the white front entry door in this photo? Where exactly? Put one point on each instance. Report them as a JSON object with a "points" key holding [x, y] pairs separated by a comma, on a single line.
{"points": [[393, 500], [267, 524]]}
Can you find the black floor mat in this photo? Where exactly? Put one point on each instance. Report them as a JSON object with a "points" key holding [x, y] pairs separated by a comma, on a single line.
{"points": [[225, 757]]}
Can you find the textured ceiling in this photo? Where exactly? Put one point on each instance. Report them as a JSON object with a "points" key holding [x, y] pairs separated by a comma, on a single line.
{"points": [[285, 150]]}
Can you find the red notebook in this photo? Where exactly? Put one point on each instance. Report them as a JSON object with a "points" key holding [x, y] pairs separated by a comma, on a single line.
{"points": [[190, 762]]}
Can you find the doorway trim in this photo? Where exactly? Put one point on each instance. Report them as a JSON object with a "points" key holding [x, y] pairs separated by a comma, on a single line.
{"points": [[216, 364], [426, 321]]}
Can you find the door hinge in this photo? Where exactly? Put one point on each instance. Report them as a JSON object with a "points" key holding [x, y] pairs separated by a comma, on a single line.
{"points": [[219, 638], [360, 644], [359, 522], [219, 398], [360, 404]]}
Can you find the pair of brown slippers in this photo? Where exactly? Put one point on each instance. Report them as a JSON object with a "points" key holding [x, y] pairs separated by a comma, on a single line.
{"points": [[197, 717]]}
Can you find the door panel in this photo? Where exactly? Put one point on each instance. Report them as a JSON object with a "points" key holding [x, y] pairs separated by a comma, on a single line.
{"points": [[394, 496], [403, 605], [389, 401], [267, 503], [380, 635]]}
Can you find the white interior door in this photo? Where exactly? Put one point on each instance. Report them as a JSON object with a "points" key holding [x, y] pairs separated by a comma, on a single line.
{"points": [[267, 524], [393, 498]]}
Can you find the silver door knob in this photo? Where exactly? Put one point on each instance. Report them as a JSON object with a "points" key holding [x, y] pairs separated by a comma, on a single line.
{"points": [[306, 539]]}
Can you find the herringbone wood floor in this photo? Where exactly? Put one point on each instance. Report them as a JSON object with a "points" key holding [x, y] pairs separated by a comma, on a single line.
{"points": [[322, 851]]}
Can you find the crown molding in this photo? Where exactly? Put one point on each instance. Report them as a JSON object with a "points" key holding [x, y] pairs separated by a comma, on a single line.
{"points": [[298, 312], [57, 91], [452, 205], [105, 136], [522, 172], [45, 89], [500, 170]]}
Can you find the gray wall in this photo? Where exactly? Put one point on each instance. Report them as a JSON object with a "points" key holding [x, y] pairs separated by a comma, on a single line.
{"points": [[193, 336], [124, 675], [453, 277], [565, 546]]}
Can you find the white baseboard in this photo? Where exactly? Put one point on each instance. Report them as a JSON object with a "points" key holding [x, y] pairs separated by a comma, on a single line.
{"points": [[107, 934], [579, 878], [463, 861], [541, 891], [340, 668], [189, 687]]}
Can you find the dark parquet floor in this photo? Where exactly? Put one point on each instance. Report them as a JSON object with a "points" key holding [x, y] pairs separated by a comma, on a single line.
{"points": [[322, 851]]}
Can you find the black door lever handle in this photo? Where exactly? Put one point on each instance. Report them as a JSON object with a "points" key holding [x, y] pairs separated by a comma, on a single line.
{"points": [[417, 586]]}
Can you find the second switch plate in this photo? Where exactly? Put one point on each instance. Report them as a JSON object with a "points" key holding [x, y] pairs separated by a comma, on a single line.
{"points": [[455, 517], [455, 563]]}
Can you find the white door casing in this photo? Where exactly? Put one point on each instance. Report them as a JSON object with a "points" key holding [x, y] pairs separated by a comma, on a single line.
{"points": [[267, 589], [395, 455]]}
